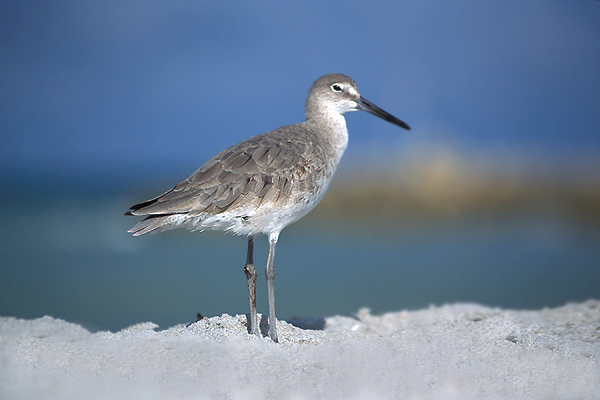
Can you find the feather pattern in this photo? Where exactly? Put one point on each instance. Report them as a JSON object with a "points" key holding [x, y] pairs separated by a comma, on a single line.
{"points": [[244, 182]]}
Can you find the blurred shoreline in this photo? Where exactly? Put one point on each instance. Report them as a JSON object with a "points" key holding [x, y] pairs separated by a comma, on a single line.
{"points": [[419, 184], [439, 184]]}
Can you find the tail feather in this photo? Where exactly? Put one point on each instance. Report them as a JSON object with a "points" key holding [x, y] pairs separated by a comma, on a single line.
{"points": [[152, 224]]}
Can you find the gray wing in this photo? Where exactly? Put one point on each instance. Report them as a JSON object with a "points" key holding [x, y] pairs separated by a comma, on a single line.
{"points": [[265, 166]]}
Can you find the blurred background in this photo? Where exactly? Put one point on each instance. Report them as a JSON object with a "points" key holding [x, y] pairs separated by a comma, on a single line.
{"points": [[493, 196]]}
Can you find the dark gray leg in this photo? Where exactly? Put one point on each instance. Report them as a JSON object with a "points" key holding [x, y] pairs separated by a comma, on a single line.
{"points": [[251, 276], [270, 273]]}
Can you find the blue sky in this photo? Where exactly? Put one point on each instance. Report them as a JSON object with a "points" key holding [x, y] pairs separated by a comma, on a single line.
{"points": [[142, 87]]}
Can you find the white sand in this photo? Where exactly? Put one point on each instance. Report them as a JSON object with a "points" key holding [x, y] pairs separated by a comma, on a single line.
{"points": [[461, 351]]}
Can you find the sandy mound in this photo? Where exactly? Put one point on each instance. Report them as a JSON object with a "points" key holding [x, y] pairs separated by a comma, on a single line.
{"points": [[461, 351]]}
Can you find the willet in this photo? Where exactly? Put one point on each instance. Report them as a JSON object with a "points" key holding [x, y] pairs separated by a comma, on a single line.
{"points": [[263, 184]]}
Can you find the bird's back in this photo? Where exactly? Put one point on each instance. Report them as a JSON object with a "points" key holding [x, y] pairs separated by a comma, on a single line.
{"points": [[258, 185]]}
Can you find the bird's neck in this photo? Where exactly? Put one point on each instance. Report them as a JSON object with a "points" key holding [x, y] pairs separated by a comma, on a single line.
{"points": [[331, 129]]}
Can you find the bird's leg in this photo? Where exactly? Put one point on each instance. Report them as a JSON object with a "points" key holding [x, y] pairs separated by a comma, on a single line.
{"points": [[270, 273], [251, 276]]}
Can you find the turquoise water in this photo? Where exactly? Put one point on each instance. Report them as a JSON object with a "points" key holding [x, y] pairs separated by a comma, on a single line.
{"points": [[70, 256]]}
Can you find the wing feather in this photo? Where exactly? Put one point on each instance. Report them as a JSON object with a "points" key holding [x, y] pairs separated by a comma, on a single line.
{"points": [[263, 168]]}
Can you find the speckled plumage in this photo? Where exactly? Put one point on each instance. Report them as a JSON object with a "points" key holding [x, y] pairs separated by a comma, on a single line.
{"points": [[239, 188]]}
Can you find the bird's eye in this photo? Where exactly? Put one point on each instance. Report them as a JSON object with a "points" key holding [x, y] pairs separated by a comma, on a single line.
{"points": [[336, 88]]}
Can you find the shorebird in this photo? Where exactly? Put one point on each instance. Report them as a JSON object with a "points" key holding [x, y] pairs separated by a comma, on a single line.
{"points": [[263, 184]]}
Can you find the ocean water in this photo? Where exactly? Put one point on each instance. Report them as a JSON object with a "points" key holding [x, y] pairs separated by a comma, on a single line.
{"points": [[69, 255]]}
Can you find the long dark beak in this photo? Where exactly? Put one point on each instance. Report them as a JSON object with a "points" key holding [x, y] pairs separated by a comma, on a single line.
{"points": [[365, 105]]}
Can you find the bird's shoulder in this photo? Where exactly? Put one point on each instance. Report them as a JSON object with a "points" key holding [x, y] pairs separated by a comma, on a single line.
{"points": [[278, 152]]}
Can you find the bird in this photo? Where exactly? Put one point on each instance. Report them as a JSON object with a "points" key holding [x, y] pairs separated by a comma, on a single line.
{"points": [[263, 184]]}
